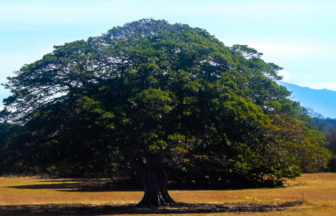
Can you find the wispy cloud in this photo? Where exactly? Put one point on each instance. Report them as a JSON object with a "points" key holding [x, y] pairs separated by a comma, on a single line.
{"points": [[331, 86], [267, 8], [101, 10], [306, 80], [286, 50], [58, 12], [284, 74]]}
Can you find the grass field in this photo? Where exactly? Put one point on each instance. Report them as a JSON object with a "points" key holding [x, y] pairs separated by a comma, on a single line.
{"points": [[318, 191]]}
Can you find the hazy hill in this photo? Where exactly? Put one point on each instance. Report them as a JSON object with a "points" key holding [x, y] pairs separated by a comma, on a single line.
{"points": [[320, 100]]}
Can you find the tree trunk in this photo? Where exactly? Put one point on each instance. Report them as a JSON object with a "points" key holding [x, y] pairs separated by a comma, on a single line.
{"points": [[155, 179]]}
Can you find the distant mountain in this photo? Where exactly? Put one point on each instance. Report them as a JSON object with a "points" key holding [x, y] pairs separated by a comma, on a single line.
{"points": [[320, 100]]}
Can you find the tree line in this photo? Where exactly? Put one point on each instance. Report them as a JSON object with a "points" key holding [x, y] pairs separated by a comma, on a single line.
{"points": [[328, 127]]}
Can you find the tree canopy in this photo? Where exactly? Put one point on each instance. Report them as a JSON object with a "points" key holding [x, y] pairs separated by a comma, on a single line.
{"points": [[154, 97]]}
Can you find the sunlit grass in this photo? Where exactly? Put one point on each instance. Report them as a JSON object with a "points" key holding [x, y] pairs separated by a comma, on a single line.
{"points": [[317, 190], [57, 195]]}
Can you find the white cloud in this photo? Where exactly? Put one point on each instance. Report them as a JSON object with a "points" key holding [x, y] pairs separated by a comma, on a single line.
{"points": [[284, 74], [331, 86], [290, 50], [267, 8], [92, 11], [285, 50], [62, 12]]}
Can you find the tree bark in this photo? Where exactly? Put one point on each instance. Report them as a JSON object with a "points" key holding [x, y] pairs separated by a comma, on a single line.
{"points": [[155, 180]]}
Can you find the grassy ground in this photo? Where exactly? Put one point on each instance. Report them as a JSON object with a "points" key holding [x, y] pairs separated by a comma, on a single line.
{"points": [[318, 191]]}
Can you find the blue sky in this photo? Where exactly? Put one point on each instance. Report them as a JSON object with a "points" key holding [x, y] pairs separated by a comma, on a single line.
{"points": [[299, 36]]}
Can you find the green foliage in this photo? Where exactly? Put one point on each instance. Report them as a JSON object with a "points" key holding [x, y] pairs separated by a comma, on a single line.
{"points": [[9, 134], [171, 92], [328, 127]]}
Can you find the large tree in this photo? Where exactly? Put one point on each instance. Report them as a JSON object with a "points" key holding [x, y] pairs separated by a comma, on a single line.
{"points": [[152, 97]]}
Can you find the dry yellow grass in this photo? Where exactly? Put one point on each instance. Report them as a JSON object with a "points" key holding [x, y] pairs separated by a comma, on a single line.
{"points": [[25, 190], [317, 189]]}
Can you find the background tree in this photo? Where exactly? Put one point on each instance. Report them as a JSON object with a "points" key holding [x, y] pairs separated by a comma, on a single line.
{"points": [[9, 134], [150, 97], [328, 127]]}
